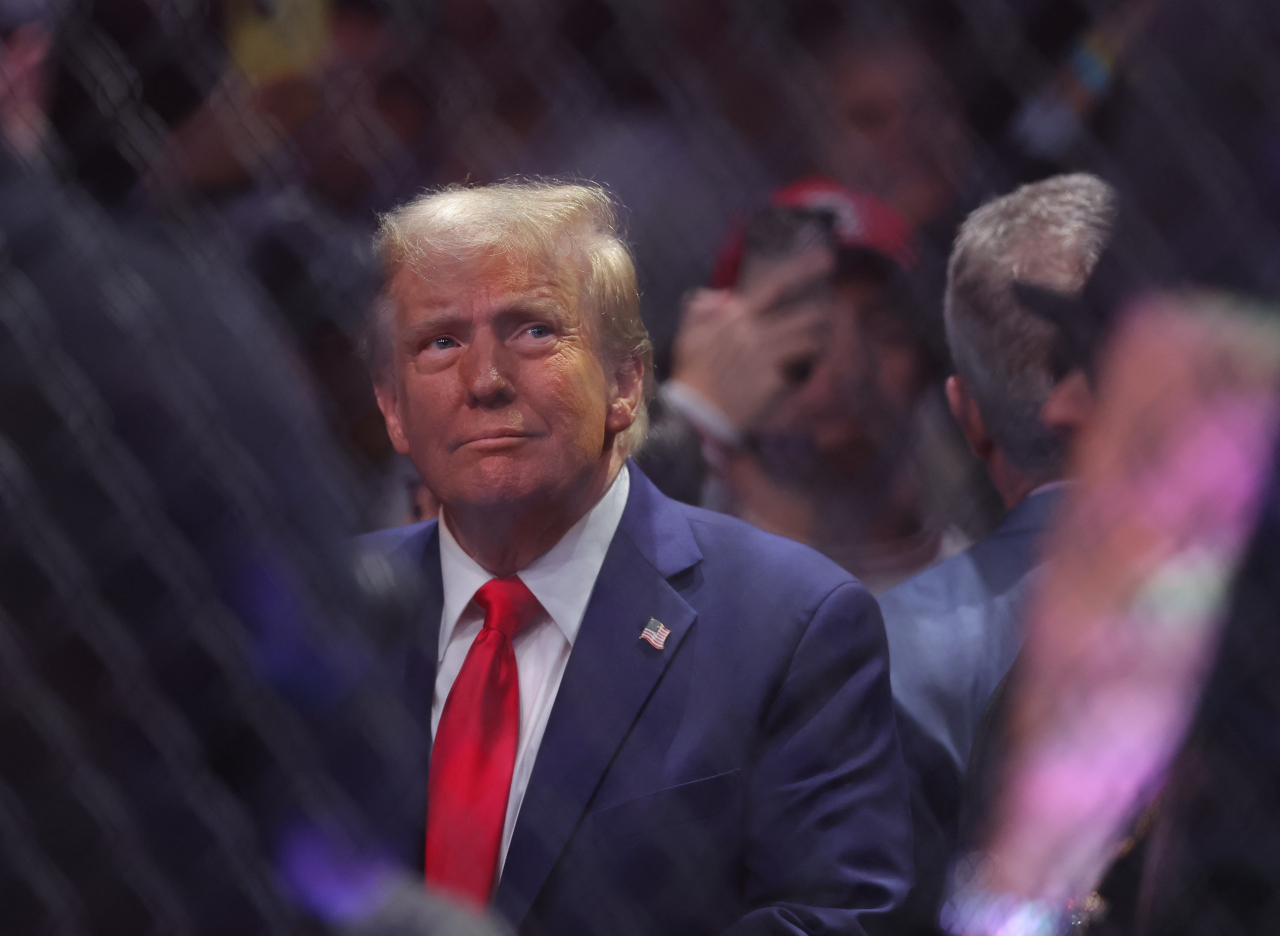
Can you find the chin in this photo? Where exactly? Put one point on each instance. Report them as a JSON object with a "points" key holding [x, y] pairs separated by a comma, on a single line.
{"points": [[847, 457], [498, 481]]}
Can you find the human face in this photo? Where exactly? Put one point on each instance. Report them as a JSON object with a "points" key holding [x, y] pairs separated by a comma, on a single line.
{"points": [[897, 130], [858, 398], [499, 396]]}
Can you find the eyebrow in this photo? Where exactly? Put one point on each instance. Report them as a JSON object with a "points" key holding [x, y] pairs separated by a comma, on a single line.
{"points": [[540, 296], [534, 299], [438, 315]]}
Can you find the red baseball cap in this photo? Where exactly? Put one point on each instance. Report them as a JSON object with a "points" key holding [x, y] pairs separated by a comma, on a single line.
{"points": [[862, 222]]}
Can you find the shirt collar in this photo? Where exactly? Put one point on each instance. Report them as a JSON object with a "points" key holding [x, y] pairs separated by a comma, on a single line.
{"points": [[562, 578], [1058, 485]]}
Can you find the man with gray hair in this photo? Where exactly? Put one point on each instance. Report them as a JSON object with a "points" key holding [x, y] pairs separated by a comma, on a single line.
{"points": [[647, 718], [954, 630]]}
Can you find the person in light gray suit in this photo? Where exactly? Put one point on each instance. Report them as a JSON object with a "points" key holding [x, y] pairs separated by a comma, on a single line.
{"points": [[954, 629]]}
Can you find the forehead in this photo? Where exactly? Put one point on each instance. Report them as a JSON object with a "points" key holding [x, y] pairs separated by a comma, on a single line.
{"points": [[756, 267], [450, 283]]}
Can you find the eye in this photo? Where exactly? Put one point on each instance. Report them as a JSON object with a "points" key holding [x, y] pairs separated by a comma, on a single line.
{"points": [[538, 331], [442, 344]]}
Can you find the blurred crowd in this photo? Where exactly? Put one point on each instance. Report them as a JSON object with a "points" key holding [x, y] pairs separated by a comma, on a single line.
{"points": [[975, 299]]}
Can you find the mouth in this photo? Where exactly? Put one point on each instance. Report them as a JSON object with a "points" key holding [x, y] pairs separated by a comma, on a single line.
{"points": [[496, 439]]}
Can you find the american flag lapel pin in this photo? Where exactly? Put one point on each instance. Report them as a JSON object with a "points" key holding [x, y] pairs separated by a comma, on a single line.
{"points": [[655, 633]]}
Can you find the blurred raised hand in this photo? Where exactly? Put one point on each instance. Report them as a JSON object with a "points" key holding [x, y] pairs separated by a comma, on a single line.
{"points": [[743, 349]]}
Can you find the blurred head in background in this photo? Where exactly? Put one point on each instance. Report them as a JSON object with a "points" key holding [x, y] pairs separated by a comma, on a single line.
{"points": [[815, 350], [26, 32], [1013, 394], [896, 127], [853, 401]]}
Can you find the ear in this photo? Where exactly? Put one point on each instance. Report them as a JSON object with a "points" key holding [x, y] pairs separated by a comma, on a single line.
{"points": [[389, 403], [965, 409], [627, 397], [1070, 404]]}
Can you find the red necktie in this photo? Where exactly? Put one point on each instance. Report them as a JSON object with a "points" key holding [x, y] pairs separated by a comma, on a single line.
{"points": [[475, 750]]}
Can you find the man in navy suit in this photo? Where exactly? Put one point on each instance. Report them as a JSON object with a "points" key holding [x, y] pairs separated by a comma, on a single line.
{"points": [[647, 718]]}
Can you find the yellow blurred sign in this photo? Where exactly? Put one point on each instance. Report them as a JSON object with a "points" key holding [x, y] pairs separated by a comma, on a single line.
{"points": [[269, 39]]}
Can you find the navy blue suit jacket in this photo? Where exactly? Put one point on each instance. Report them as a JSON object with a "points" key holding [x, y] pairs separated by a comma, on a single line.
{"points": [[746, 778], [955, 629]]}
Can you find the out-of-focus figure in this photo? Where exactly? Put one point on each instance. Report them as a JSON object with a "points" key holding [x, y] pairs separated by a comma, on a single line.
{"points": [[808, 380], [1212, 855], [955, 629], [307, 133], [897, 129], [1124, 629], [182, 646], [896, 124]]}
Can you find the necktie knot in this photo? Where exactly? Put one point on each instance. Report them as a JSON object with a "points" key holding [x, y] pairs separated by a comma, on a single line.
{"points": [[508, 605]]}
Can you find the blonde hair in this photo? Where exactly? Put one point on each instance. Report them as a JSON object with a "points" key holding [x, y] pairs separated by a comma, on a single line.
{"points": [[552, 224]]}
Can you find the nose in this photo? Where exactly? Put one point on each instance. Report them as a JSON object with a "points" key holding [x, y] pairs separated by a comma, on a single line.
{"points": [[484, 370]]}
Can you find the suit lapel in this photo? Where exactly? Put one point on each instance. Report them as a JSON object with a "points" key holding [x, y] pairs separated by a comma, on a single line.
{"points": [[405, 582], [609, 677], [416, 569], [424, 643]]}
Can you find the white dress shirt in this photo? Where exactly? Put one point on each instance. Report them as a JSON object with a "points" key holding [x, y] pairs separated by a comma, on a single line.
{"points": [[561, 579]]}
